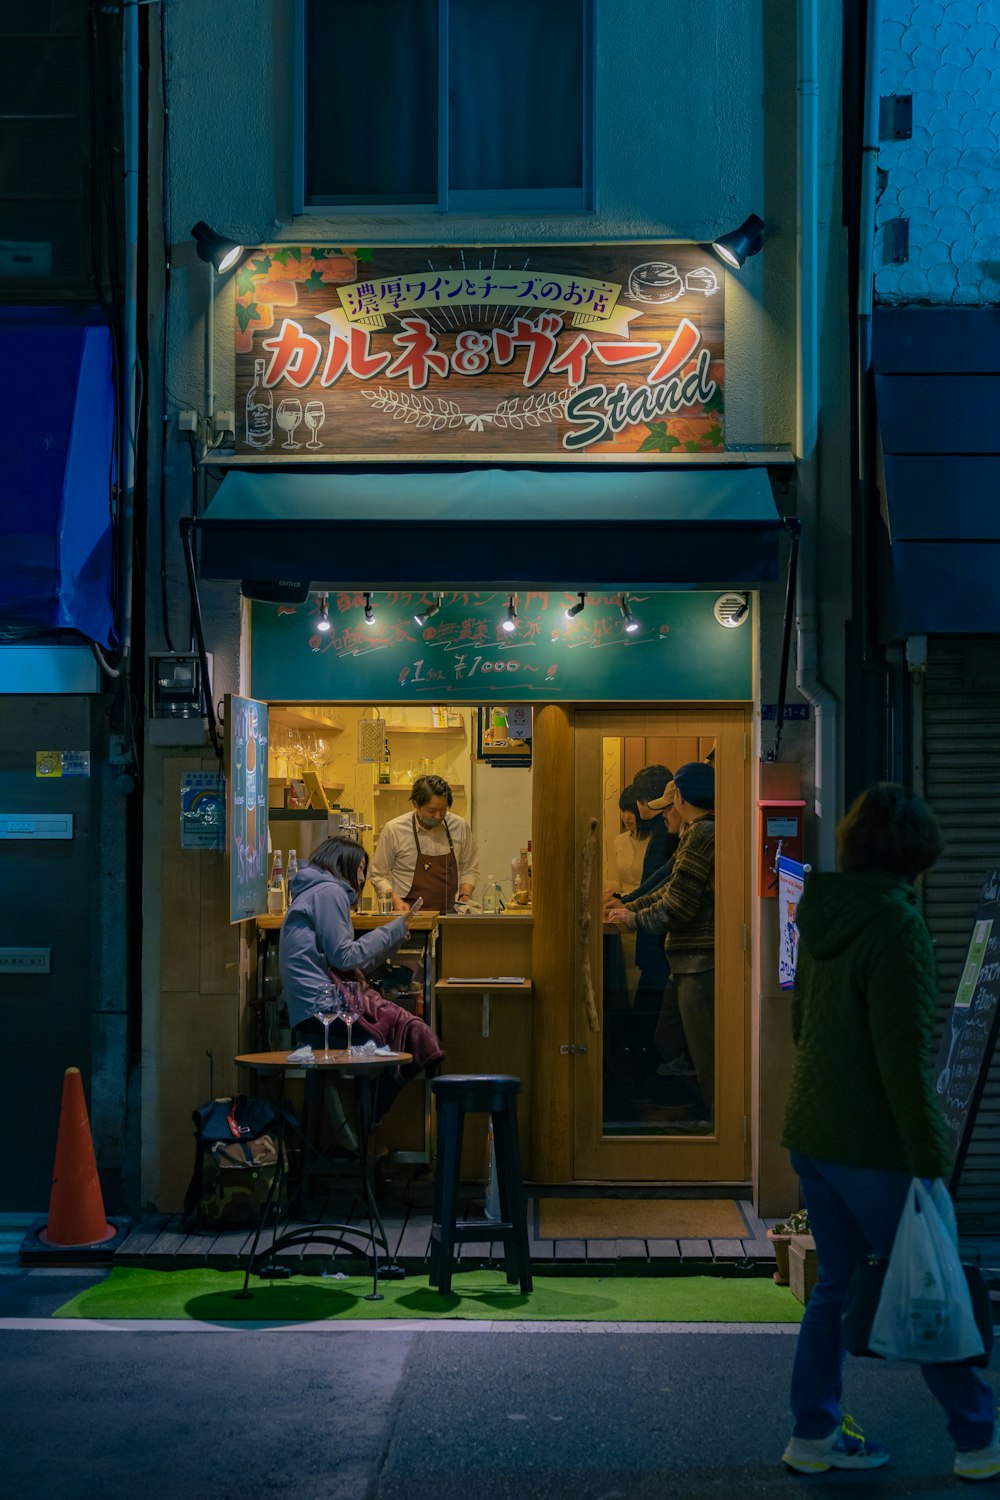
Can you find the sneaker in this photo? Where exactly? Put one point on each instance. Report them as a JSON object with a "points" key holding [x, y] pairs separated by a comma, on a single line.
{"points": [[844, 1448], [980, 1463]]}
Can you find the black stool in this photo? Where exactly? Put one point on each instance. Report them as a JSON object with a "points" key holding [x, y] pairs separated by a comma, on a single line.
{"points": [[458, 1095]]}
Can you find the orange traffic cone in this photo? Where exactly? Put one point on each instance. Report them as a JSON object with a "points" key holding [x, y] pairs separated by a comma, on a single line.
{"points": [[76, 1205]]}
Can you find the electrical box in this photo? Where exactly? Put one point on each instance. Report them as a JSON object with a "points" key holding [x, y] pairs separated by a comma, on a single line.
{"points": [[780, 827], [176, 702]]}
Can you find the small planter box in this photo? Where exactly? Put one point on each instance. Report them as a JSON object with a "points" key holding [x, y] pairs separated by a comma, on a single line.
{"points": [[802, 1266], [780, 1243]]}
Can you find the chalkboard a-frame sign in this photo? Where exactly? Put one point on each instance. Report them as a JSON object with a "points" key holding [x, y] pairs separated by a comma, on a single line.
{"points": [[970, 1036]]}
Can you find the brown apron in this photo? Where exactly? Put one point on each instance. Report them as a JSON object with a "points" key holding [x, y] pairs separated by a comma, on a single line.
{"points": [[435, 876]]}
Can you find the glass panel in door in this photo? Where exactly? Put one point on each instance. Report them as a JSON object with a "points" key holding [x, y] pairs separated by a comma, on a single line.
{"points": [[659, 1092]]}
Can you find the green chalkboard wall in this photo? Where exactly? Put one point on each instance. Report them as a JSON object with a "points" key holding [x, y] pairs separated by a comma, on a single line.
{"points": [[680, 652]]}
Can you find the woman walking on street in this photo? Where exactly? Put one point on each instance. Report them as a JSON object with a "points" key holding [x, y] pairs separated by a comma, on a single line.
{"points": [[863, 1119]]}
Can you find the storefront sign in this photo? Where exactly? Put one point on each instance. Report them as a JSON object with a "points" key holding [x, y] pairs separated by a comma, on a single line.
{"points": [[791, 878], [517, 351], [463, 652], [246, 806]]}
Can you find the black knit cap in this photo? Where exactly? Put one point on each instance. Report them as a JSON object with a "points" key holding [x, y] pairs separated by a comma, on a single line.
{"points": [[696, 783]]}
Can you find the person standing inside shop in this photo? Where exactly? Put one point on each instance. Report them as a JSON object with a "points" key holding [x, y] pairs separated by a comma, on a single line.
{"points": [[684, 908], [630, 1056], [429, 852]]}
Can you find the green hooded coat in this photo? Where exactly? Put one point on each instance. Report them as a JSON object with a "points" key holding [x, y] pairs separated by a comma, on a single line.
{"points": [[862, 1018]]}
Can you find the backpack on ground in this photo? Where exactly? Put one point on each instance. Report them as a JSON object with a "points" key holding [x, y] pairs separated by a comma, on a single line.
{"points": [[236, 1162]]}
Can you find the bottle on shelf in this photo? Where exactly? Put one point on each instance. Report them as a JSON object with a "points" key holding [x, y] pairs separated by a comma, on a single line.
{"points": [[276, 887], [292, 871], [519, 879], [385, 768]]}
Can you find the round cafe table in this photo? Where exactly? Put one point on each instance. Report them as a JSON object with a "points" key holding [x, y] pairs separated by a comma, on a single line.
{"points": [[364, 1069]]}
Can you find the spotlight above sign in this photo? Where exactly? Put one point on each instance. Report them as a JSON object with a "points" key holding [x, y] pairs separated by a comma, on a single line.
{"points": [[515, 352]]}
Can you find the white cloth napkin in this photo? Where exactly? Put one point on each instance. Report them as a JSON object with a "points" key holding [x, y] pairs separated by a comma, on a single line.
{"points": [[301, 1054]]}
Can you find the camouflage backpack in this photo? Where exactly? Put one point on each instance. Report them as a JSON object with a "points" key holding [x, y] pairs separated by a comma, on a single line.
{"points": [[236, 1162]]}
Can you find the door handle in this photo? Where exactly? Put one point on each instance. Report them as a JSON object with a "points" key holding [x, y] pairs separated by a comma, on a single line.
{"points": [[583, 926]]}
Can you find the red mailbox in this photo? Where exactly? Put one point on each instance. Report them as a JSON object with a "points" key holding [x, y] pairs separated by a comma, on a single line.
{"points": [[780, 824]]}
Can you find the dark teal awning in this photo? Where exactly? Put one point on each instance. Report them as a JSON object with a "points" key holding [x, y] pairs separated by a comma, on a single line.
{"points": [[494, 528]]}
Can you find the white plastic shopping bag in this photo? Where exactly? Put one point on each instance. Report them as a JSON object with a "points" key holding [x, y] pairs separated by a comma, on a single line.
{"points": [[925, 1311]]}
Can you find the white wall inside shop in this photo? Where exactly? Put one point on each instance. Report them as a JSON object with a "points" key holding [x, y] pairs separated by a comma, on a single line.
{"points": [[502, 821], [944, 179]]}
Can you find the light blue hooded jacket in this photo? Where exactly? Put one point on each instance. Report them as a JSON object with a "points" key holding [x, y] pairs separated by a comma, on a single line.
{"points": [[317, 935]]}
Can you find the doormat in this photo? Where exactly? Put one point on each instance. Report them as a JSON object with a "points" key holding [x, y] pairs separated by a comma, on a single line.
{"points": [[641, 1219], [208, 1296]]}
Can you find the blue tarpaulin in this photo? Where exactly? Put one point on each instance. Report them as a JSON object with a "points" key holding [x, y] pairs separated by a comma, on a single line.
{"points": [[57, 473]]}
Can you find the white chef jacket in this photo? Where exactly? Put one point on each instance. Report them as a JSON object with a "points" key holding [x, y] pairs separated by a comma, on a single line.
{"points": [[394, 862]]}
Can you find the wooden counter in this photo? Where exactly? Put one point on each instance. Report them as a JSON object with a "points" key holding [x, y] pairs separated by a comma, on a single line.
{"points": [[486, 1028], [363, 921]]}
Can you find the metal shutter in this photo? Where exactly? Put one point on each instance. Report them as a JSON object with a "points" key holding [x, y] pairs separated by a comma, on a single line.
{"points": [[960, 723]]}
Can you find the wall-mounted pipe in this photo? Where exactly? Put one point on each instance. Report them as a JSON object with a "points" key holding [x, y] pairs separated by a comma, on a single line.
{"points": [[866, 292], [807, 676]]}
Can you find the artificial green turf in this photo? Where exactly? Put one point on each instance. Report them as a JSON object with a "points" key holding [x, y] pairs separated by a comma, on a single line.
{"points": [[208, 1296]]}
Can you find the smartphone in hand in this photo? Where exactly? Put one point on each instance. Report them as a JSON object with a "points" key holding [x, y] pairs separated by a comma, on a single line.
{"points": [[415, 906]]}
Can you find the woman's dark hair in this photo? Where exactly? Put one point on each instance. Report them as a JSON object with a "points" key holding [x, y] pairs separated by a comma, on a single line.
{"points": [[650, 782], [340, 856], [628, 802], [889, 828], [426, 787]]}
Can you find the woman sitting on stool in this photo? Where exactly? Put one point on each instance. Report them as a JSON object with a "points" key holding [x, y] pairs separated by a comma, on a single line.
{"points": [[318, 945]]}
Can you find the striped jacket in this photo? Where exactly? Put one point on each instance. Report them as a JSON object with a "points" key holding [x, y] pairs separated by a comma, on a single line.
{"points": [[684, 908]]}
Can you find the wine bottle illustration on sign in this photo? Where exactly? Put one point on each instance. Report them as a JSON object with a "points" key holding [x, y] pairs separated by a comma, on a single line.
{"points": [[260, 410]]}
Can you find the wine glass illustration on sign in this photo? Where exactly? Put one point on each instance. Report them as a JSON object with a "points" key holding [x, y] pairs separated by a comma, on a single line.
{"points": [[315, 415], [289, 415]]}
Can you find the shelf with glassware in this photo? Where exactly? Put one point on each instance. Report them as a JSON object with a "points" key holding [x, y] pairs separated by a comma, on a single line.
{"points": [[434, 744], [407, 786]]}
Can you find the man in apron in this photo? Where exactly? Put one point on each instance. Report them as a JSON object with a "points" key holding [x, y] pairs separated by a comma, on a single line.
{"points": [[428, 852]]}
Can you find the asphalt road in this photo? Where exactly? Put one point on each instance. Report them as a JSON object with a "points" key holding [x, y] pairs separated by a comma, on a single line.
{"points": [[446, 1412]]}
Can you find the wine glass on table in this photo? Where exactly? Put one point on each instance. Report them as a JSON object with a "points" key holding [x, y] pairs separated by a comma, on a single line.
{"points": [[327, 1007], [354, 1008]]}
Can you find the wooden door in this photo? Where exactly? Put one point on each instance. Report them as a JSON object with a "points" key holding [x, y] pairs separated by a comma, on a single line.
{"points": [[634, 1120]]}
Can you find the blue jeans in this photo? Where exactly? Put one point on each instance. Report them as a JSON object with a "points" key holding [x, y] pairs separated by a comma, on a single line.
{"points": [[853, 1212]]}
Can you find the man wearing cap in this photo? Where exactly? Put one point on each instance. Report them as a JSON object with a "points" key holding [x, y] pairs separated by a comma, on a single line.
{"points": [[684, 908]]}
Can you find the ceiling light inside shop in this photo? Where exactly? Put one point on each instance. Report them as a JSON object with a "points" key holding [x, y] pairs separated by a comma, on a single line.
{"points": [[423, 615], [323, 623], [735, 248], [631, 623], [575, 609], [510, 623], [732, 610]]}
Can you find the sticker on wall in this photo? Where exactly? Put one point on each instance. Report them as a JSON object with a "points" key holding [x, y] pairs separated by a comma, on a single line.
{"points": [[51, 763], [203, 810]]}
